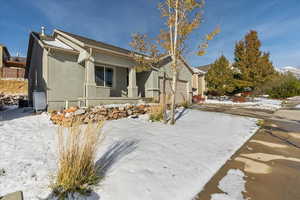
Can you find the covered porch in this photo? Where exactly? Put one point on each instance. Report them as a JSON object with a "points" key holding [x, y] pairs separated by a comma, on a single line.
{"points": [[109, 84]]}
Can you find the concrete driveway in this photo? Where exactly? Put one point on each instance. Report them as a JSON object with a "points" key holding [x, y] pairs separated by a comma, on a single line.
{"points": [[270, 160]]}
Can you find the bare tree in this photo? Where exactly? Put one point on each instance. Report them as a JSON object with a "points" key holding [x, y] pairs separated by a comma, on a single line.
{"points": [[182, 17]]}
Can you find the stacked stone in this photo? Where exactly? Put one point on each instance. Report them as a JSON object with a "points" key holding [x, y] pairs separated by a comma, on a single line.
{"points": [[9, 100], [96, 114]]}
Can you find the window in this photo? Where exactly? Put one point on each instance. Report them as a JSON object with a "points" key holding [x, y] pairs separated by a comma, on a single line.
{"points": [[104, 76]]}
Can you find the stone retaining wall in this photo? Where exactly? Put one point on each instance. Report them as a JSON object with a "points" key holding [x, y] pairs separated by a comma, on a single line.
{"points": [[110, 112]]}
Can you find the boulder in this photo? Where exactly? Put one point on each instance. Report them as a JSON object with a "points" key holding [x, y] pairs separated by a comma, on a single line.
{"points": [[79, 112]]}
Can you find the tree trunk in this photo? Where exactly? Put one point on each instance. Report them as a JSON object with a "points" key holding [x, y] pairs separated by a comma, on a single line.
{"points": [[174, 88], [164, 106]]}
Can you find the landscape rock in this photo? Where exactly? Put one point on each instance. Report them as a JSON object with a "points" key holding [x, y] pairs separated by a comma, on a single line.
{"points": [[99, 113], [9, 100], [79, 112], [2, 172]]}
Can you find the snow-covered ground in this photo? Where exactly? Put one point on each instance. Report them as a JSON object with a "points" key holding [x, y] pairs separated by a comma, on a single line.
{"points": [[142, 160], [258, 103], [233, 186]]}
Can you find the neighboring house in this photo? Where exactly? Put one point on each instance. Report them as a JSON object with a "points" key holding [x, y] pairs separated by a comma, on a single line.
{"points": [[198, 83], [75, 70], [204, 68], [11, 67]]}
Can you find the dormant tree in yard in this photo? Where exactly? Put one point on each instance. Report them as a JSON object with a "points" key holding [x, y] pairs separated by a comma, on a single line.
{"points": [[182, 17]]}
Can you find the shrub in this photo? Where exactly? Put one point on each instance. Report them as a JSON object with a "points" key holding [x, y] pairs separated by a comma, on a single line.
{"points": [[156, 113], [239, 99], [185, 104], [260, 123], [285, 87], [77, 147]]}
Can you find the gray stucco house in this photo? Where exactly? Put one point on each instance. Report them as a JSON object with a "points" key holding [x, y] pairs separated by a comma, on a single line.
{"points": [[75, 70]]}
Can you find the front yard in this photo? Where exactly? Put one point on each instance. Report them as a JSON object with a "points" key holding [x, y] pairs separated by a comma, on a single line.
{"points": [[141, 160]]}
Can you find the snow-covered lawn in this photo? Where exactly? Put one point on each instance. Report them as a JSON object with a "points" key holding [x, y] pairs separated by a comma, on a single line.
{"points": [[142, 160], [258, 103]]}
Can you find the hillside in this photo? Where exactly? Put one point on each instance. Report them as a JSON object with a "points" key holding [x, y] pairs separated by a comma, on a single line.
{"points": [[293, 70], [13, 87]]}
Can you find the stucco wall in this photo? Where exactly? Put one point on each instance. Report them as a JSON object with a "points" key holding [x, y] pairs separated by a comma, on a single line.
{"points": [[184, 74], [111, 59], [144, 82], [150, 80], [1, 57], [36, 81], [120, 87], [66, 76]]}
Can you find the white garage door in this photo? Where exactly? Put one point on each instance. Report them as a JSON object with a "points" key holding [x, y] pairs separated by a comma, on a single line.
{"points": [[181, 94]]}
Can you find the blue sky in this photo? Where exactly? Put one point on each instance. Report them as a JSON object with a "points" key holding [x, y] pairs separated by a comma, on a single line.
{"points": [[113, 21]]}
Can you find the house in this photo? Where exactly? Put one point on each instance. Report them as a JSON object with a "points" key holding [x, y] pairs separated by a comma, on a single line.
{"points": [[11, 67], [74, 70], [198, 82]]}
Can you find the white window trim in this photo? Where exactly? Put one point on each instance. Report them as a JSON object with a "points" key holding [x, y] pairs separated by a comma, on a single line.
{"points": [[114, 76]]}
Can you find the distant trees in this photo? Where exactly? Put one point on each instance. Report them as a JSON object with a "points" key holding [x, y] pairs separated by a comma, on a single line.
{"points": [[283, 86], [251, 69]]}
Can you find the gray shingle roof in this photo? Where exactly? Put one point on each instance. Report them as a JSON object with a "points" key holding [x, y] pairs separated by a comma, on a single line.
{"points": [[91, 42]]}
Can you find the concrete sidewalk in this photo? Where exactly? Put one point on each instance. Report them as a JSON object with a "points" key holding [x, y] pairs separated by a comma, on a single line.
{"points": [[270, 160]]}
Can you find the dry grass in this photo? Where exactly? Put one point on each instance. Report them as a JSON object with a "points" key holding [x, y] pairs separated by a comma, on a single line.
{"points": [[185, 104], [156, 113], [77, 148], [13, 87]]}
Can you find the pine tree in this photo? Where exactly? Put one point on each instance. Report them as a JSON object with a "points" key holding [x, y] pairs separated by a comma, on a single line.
{"points": [[266, 70], [254, 66], [240, 59], [253, 55], [220, 77]]}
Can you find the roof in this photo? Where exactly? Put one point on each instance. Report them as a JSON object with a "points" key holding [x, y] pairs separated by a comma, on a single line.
{"points": [[18, 59], [5, 49], [95, 43], [13, 63], [204, 68], [167, 59], [198, 71], [56, 44]]}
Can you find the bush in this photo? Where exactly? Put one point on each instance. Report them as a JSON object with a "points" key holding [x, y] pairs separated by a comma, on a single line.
{"points": [[287, 86], [76, 166], [239, 99], [185, 104], [260, 123], [156, 113]]}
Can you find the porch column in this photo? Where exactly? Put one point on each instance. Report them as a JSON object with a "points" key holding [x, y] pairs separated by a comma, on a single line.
{"points": [[132, 87], [90, 84]]}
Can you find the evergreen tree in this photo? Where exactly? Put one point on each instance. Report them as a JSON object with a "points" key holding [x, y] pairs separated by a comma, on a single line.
{"points": [[254, 66], [220, 77]]}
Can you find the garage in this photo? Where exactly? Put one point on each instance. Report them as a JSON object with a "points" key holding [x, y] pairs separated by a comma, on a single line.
{"points": [[181, 94]]}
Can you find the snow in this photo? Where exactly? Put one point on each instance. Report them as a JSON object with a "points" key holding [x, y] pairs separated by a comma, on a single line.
{"points": [[294, 70], [57, 43], [198, 71], [142, 160], [258, 103], [233, 184]]}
